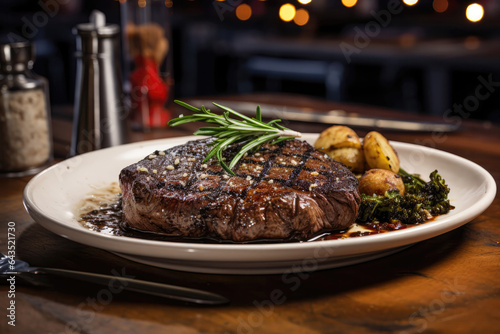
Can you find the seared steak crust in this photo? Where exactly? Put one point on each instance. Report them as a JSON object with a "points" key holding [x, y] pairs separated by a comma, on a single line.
{"points": [[287, 191]]}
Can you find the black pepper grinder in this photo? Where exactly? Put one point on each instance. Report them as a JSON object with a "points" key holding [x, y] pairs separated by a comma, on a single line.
{"points": [[99, 114]]}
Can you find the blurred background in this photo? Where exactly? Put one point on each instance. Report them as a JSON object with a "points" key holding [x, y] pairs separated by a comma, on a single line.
{"points": [[436, 57]]}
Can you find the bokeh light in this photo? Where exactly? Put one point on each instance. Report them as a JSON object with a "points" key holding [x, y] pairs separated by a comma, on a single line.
{"points": [[474, 12], [304, 2], [407, 40], [301, 17], [410, 2], [287, 12], [243, 12], [472, 42], [440, 6], [349, 3]]}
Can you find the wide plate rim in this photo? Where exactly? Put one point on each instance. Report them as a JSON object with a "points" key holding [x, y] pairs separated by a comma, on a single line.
{"points": [[186, 250]]}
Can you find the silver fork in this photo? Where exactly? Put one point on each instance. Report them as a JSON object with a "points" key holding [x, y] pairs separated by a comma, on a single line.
{"points": [[10, 266]]}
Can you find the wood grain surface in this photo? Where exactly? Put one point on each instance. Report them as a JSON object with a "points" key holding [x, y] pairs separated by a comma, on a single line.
{"points": [[447, 284]]}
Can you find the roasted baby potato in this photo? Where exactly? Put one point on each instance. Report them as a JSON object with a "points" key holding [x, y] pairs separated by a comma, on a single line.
{"points": [[353, 158], [379, 153], [342, 144], [378, 181]]}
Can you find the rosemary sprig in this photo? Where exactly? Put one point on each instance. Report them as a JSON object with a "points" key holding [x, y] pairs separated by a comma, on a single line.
{"points": [[228, 131]]}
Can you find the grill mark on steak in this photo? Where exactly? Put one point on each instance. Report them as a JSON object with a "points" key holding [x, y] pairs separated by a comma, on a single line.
{"points": [[296, 171], [217, 191], [207, 204]]}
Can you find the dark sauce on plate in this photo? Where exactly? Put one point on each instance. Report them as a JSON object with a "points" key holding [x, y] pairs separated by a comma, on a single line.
{"points": [[109, 219]]}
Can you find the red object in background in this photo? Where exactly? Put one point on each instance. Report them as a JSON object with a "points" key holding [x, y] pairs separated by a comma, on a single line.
{"points": [[149, 94]]}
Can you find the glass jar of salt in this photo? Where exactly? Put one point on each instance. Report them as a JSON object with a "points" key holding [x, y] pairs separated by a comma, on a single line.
{"points": [[25, 129]]}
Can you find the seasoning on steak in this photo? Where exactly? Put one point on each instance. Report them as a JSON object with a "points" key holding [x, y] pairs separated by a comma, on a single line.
{"points": [[286, 191]]}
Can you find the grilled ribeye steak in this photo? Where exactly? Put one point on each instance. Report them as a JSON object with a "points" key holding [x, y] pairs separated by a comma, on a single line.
{"points": [[284, 191]]}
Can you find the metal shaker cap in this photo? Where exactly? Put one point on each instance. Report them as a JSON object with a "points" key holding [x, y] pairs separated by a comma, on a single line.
{"points": [[92, 32], [16, 57]]}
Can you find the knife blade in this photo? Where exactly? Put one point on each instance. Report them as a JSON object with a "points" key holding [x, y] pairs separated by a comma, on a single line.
{"points": [[9, 266], [332, 117], [152, 288]]}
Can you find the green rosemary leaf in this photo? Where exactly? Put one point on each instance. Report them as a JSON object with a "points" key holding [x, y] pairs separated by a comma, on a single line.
{"points": [[223, 164], [220, 145], [250, 146], [248, 119], [187, 106], [192, 118], [250, 129], [250, 133], [211, 128], [205, 133], [279, 126], [212, 152], [279, 140]]}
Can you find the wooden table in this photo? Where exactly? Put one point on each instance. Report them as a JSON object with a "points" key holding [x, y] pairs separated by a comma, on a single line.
{"points": [[450, 283]]}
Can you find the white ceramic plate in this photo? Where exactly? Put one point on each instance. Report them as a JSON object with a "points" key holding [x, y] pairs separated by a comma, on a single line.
{"points": [[52, 196]]}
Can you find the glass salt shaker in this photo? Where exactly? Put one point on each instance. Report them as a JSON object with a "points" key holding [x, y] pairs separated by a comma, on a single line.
{"points": [[25, 128]]}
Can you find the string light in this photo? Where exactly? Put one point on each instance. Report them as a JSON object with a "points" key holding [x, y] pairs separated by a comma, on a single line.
{"points": [[474, 12]]}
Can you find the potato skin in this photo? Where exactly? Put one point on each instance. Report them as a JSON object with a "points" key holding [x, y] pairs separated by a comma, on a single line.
{"points": [[378, 181], [353, 158], [379, 153], [342, 144], [337, 136]]}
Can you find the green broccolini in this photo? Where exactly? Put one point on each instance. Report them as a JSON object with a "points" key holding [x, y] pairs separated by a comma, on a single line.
{"points": [[420, 201]]}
